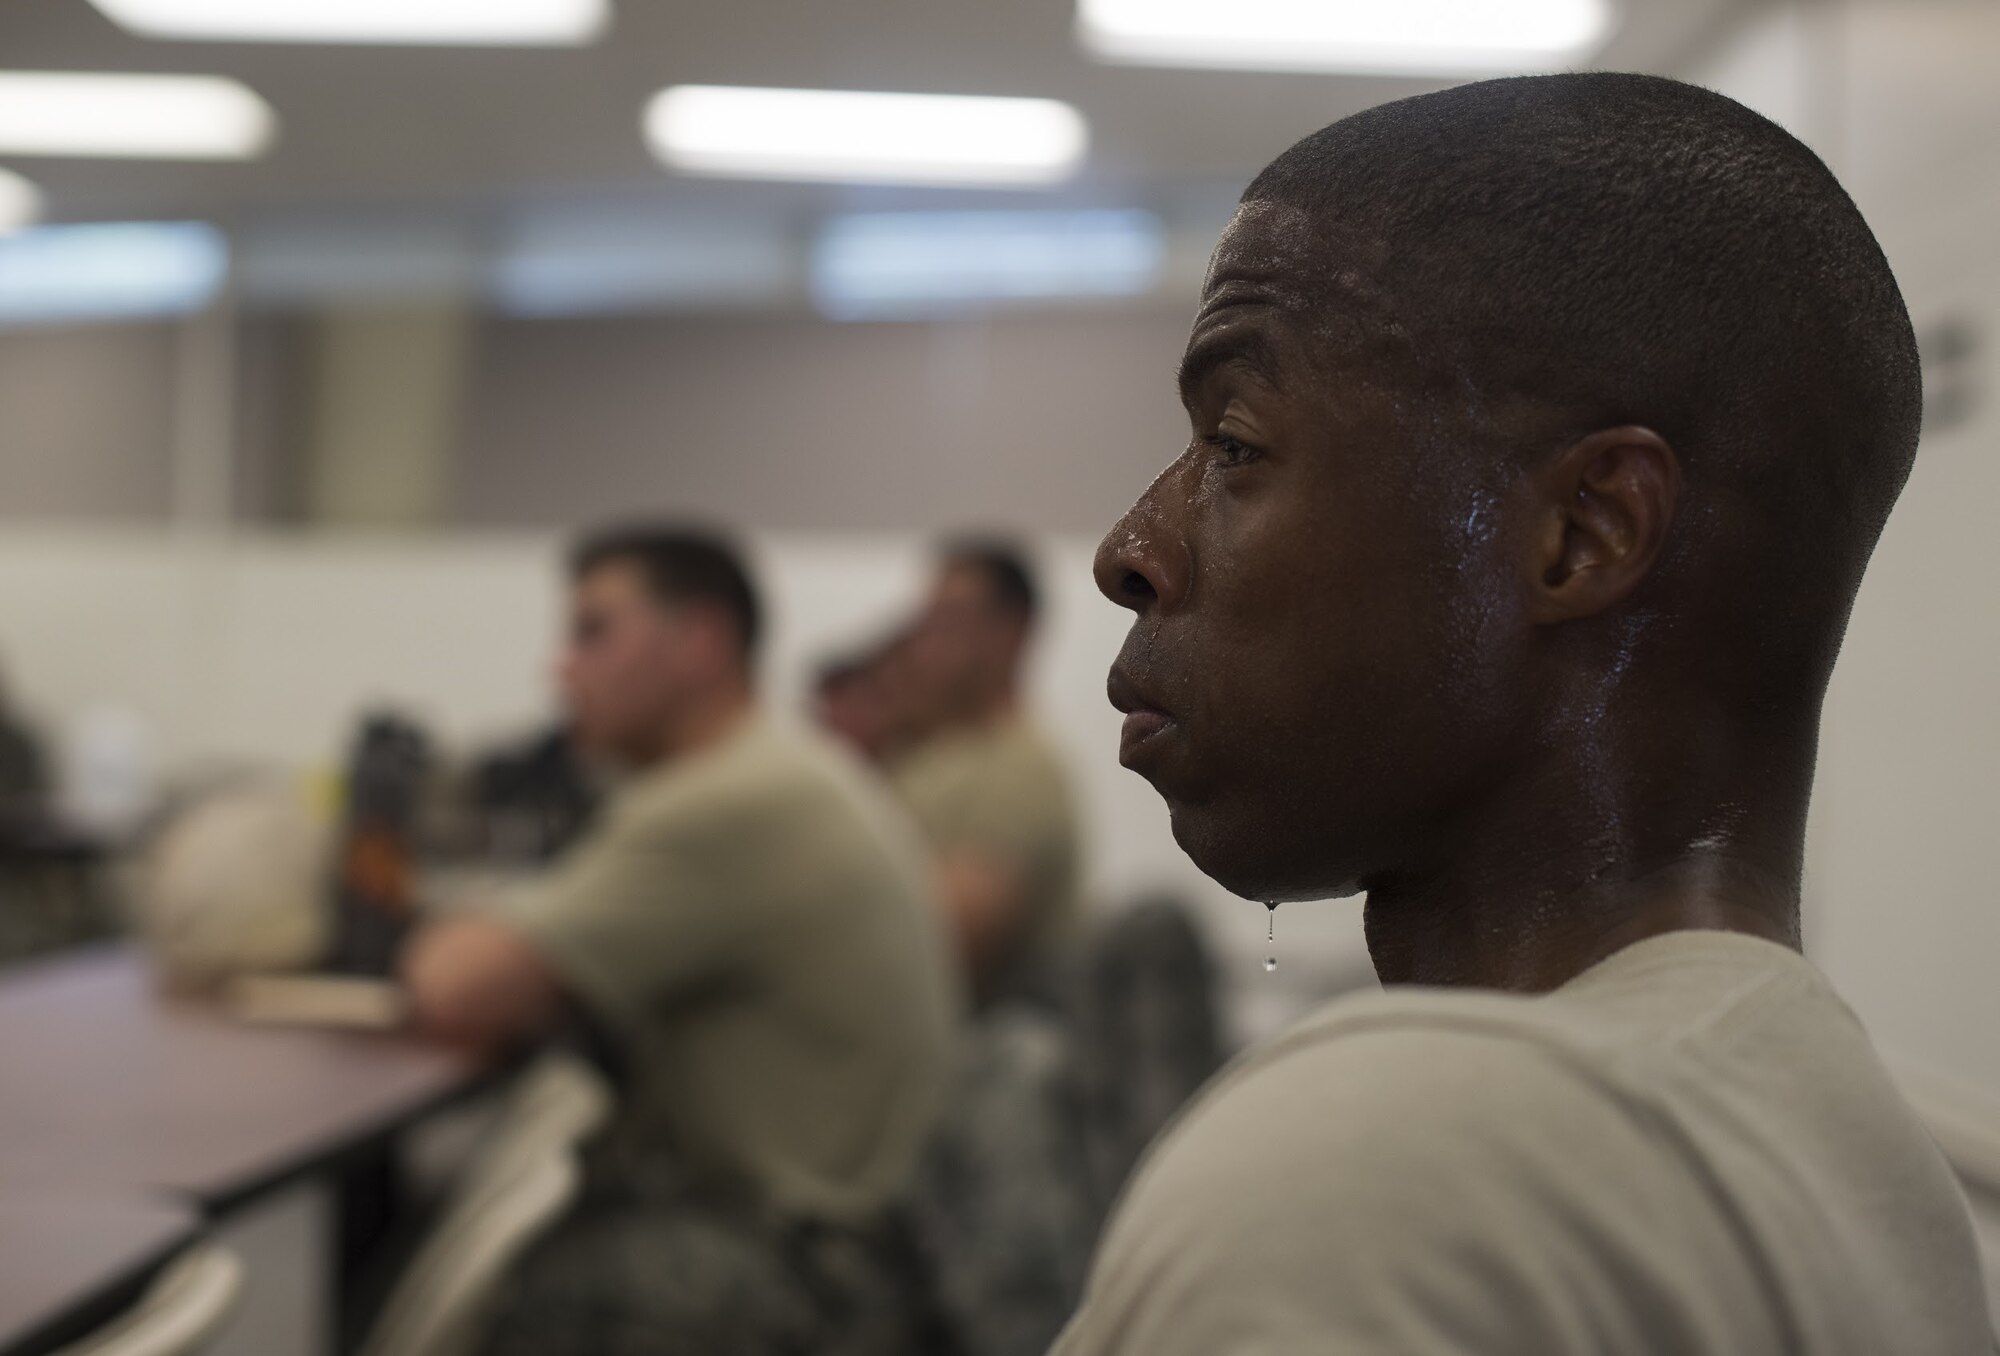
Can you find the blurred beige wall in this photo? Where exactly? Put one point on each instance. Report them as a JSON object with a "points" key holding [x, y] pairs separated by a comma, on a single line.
{"points": [[85, 422], [1051, 421], [402, 416], [384, 394]]}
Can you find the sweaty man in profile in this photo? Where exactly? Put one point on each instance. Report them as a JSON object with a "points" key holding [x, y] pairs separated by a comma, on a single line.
{"points": [[747, 928], [1541, 431]]}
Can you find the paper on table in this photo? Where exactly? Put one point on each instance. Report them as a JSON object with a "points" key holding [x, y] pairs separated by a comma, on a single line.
{"points": [[317, 1000]]}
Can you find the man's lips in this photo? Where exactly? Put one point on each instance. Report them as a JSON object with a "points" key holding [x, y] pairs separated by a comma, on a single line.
{"points": [[1139, 727], [1144, 720]]}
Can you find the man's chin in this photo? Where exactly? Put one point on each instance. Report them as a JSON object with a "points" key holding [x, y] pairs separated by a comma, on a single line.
{"points": [[1226, 853], [1243, 856]]}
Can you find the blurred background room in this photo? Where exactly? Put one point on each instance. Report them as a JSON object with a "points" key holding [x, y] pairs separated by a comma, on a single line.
{"points": [[327, 326]]}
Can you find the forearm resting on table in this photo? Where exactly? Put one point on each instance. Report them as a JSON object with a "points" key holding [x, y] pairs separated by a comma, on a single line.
{"points": [[478, 982]]}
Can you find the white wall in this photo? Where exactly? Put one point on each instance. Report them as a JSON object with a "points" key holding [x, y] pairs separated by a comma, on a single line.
{"points": [[263, 649], [1900, 97]]}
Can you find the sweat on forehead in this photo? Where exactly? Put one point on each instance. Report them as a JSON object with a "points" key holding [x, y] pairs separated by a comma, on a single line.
{"points": [[1324, 279]]}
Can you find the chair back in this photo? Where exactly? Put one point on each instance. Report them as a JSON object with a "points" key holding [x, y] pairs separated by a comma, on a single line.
{"points": [[519, 1182], [184, 1307]]}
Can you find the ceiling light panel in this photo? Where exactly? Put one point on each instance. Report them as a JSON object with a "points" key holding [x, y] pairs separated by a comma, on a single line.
{"points": [[854, 137], [472, 23], [1408, 37], [142, 117]]}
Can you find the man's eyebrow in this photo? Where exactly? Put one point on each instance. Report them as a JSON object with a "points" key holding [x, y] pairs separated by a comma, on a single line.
{"points": [[1247, 350]]}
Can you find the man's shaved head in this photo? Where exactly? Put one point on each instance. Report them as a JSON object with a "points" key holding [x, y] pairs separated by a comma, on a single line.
{"points": [[1599, 249], [1542, 429]]}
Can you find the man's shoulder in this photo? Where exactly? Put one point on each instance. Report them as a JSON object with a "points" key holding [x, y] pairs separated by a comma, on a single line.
{"points": [[1014, 765], [1481, 1073], [1393, 1161], [1401, 1117], [1411, 1161], [943, 759], [1531, 1169], [1446, 1015], [1356, 1076], [1014, 742], [761, 770], [1025, 743]]}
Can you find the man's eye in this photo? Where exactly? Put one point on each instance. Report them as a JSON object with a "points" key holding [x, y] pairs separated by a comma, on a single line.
{"points": [[1231, 451]]}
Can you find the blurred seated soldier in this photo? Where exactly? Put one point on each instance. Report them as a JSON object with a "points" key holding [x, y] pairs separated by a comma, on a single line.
{"points": [[745, 928], [849, 703], [986, 788], [864, 700]]}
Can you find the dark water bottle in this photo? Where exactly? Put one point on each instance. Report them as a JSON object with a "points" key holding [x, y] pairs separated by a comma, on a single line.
{"points": [[373, 905]]}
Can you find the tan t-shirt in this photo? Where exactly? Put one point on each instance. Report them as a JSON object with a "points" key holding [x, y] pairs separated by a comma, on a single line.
{"points": [[750, 927], [1691, 1148], [1001, 791]]}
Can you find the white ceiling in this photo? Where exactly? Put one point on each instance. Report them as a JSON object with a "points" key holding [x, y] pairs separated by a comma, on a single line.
{"points": [[478, 136]]}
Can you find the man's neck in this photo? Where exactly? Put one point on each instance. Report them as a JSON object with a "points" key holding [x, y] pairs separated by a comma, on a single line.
{"points": [[991, 708], [1533, 940], [1550, 880], [705, 723]]}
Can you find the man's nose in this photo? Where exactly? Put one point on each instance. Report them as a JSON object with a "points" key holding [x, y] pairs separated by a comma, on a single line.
{"points": [[1143, 561]]}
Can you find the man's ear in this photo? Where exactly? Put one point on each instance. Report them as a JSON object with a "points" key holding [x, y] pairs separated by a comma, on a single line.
{"points": [[1604, 505]]}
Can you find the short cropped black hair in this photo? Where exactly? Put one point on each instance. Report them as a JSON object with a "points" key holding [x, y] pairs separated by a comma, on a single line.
{"points": [[680, 565], [1003, 566], [1627, 249]]}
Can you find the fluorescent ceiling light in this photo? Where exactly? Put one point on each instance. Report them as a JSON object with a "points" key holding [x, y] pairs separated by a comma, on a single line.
{"points": [[112, 271], [144, 117], [916, 263], [864, 138], [441, 22], [1407, 37], [20, 201]]}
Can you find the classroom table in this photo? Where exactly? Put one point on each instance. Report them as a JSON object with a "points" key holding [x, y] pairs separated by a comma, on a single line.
{"points": [[105, 1083], [71, 1259]]}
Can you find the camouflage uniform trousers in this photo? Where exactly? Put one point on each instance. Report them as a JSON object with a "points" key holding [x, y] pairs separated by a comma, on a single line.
{"points": [[630, 1277]]}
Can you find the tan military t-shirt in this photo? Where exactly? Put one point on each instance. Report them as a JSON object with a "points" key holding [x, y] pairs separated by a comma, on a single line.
{"points": [[749, 925], [1691, 1148], [1001, 791]]}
